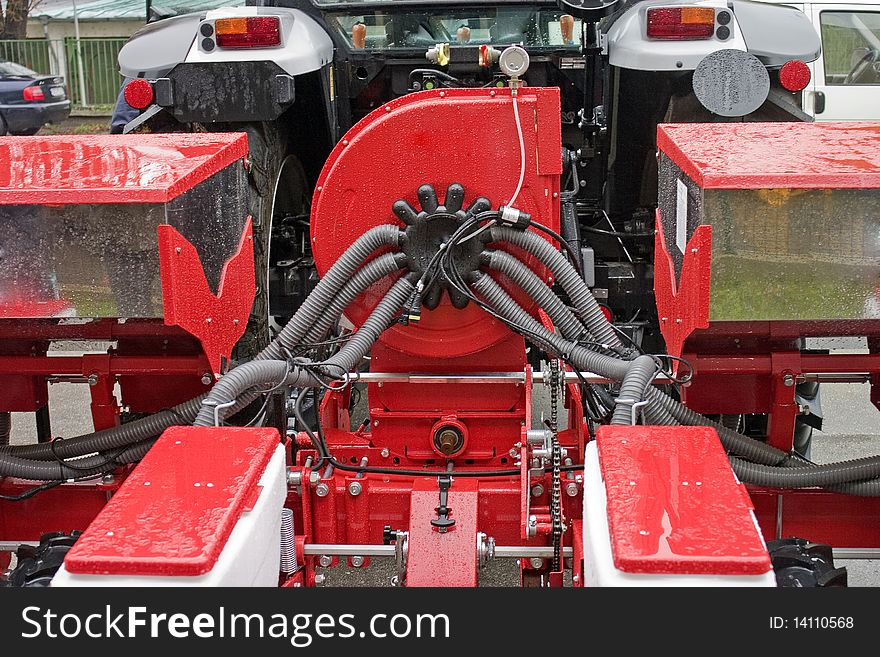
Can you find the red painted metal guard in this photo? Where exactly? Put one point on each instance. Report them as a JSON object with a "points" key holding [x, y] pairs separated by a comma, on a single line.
{"points": [[674, 504], [142, 168], [174, 513]]}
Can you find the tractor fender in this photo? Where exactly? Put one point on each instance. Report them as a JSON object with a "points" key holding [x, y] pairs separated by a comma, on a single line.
{"points": [[154, 50], [774, 34], [305, 45]]}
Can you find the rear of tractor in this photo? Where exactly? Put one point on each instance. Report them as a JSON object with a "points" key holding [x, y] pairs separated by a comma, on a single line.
{"points": [[395, 415]]}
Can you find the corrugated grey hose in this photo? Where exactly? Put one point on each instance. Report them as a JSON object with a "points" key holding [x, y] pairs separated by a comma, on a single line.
{"points": [[238, 388], [567, 277], [856, 477], [852, 477], [633, 389], [78, 468], [315, 305], [531, 284], [660, 404], [185, 413], [5, 428], [371, 272]]}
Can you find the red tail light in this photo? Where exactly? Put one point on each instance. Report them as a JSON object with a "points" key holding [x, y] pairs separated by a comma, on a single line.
{"points": [[139, 94], [794, 75], [33, 93], [251, 32], [681, 23]]}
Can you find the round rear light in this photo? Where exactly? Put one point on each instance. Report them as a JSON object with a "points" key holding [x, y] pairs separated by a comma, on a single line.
{"points": [[794, 75], [139, 94], [607, 312]]}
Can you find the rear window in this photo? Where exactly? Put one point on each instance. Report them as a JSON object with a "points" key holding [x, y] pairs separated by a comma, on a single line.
{"points": [[13, 69]]}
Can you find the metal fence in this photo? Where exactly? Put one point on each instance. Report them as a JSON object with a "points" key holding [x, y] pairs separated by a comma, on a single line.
{"points": [[101, 79]]}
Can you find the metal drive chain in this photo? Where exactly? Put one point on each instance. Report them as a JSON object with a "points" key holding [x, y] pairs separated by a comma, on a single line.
{"points": [[556, 377]]}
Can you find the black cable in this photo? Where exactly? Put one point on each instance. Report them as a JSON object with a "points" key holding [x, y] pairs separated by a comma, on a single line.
{"points": [[31, 491], [616, 233]]}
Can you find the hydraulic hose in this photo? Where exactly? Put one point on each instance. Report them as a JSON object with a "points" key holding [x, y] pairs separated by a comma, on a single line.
{"points": [[567, 277], [532, 285], [633, 389], [383, 236]]}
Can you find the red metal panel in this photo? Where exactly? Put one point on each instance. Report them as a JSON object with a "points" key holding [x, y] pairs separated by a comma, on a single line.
{"points": [[142, 168], [174, 513], [674, 504], [842, 521], [683, 306], [767, 155], [465, 136], [442, 558], [217, 321]]}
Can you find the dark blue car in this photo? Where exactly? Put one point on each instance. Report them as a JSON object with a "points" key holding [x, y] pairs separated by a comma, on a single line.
{"points": [[28, 100]]}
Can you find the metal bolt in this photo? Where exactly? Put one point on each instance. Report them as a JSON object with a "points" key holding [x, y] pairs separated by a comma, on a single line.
{"points": [[320, 578], [92, 379], [325, 560], [177, 249], [575, 578], [294, 477], [536, 562], [357, 562], [355, 488], [537, 490], [385, 453], [513, 452], [571, 489], [314, 478], [788, 380], [108, 479], [208, 320], [375, 423], [322, 490], [207, 378]]}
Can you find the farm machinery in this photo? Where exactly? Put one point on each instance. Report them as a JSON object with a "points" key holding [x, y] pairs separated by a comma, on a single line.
{"points": [[500, 353]]}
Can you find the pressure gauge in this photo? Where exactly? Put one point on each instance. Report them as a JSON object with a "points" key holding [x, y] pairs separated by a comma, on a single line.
{"points": [[514, 61]]}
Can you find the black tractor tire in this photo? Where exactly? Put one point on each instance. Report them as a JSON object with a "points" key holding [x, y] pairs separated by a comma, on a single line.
{"points": [[26, 133], [278, 186], [799, 563]]}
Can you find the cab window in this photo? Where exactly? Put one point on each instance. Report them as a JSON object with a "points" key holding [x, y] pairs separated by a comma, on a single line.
{"points": [[851, 47]]}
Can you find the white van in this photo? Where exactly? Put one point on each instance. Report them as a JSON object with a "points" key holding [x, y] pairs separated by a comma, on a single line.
{"points": [[845, 83]]}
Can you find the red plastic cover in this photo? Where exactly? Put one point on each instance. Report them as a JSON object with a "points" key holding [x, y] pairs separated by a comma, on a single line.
{"points": [[774, 155], [175, 512], [141, 168], [674, 505]]}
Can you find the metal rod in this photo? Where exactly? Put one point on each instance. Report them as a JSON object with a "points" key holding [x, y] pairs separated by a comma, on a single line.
{"points": [[501, 551], [857, 553], [482, 377]]}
